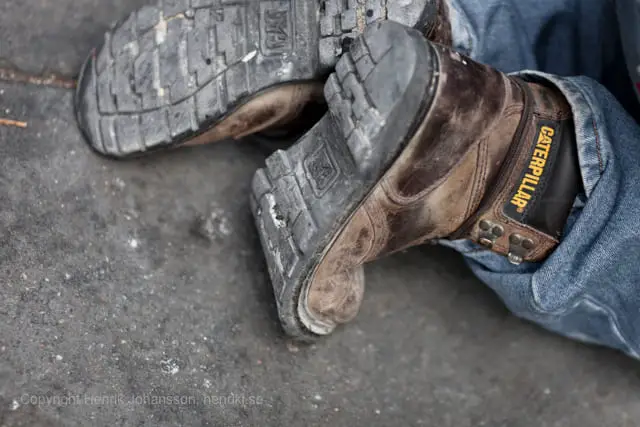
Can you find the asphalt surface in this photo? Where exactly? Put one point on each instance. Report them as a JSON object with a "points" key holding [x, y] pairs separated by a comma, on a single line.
{"points": [[135, 293]]}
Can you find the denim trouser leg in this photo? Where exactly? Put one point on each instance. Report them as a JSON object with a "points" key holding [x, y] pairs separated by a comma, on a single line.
{"points": [[562, 37], [589, 288]]}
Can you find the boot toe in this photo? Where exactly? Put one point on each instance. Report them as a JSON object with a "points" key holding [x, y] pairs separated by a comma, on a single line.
{"points": [[332, 301]]}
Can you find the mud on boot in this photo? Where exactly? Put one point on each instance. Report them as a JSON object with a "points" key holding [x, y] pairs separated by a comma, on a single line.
{"points": [[420, 144], [198, 71]]}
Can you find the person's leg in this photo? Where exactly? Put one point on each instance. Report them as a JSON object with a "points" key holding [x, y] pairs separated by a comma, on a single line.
{"points": [[589, 288], [561, 37]]}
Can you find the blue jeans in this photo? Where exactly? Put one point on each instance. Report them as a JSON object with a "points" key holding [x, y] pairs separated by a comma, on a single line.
{"points": [[589, 288]]}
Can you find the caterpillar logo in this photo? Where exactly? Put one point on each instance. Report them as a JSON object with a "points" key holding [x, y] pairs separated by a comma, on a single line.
{"points": [[276, 26], [535, 171]]}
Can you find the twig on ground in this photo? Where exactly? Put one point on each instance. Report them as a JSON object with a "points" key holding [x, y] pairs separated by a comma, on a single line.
{"points": [[17, 76], [15, 123]]}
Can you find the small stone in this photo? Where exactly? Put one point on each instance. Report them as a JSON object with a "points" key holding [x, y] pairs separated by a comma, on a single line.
{"points": [[133, 243], [170, 366], [14, 405], [292, 347], [215, 225], [58, 357], [119, 183]]}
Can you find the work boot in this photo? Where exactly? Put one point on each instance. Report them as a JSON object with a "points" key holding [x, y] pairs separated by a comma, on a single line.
{"points": [[421, 144], [187, 72]]}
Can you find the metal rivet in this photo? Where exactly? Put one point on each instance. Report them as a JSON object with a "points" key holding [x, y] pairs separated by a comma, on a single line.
{"points": [[519, 248], [486, 242], [485, 225], [498, 231], [528, 244], [515, 259]]}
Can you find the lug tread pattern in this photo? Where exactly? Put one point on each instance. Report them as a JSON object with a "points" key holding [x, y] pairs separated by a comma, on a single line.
{"points": [[186, 63], [189, 63], [278, 195], [341, 21], [349, 103]]}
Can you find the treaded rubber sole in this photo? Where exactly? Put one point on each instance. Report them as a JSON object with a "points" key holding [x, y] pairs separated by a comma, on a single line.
{"points": [[306, 195], [171, 71]]}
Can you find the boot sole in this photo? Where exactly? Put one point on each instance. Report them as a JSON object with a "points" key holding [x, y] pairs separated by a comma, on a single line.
{"points": [[306, 195], [173, 73]]}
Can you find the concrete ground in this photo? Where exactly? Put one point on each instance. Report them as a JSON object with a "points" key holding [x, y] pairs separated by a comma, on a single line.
{"points": [[135, 293]]}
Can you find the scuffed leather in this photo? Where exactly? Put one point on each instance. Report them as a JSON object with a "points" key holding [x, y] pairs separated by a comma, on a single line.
{"points": [[458, 169]]}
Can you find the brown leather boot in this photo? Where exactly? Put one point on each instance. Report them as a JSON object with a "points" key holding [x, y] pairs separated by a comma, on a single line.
{"points": [[421, 144], [180, 73]]}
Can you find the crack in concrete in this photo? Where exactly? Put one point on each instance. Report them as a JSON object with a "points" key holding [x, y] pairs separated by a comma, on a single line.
{"points": [[14, 75]]}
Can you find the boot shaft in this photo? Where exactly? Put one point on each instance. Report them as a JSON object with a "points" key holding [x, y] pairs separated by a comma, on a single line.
{"points": [[493, 160]]}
